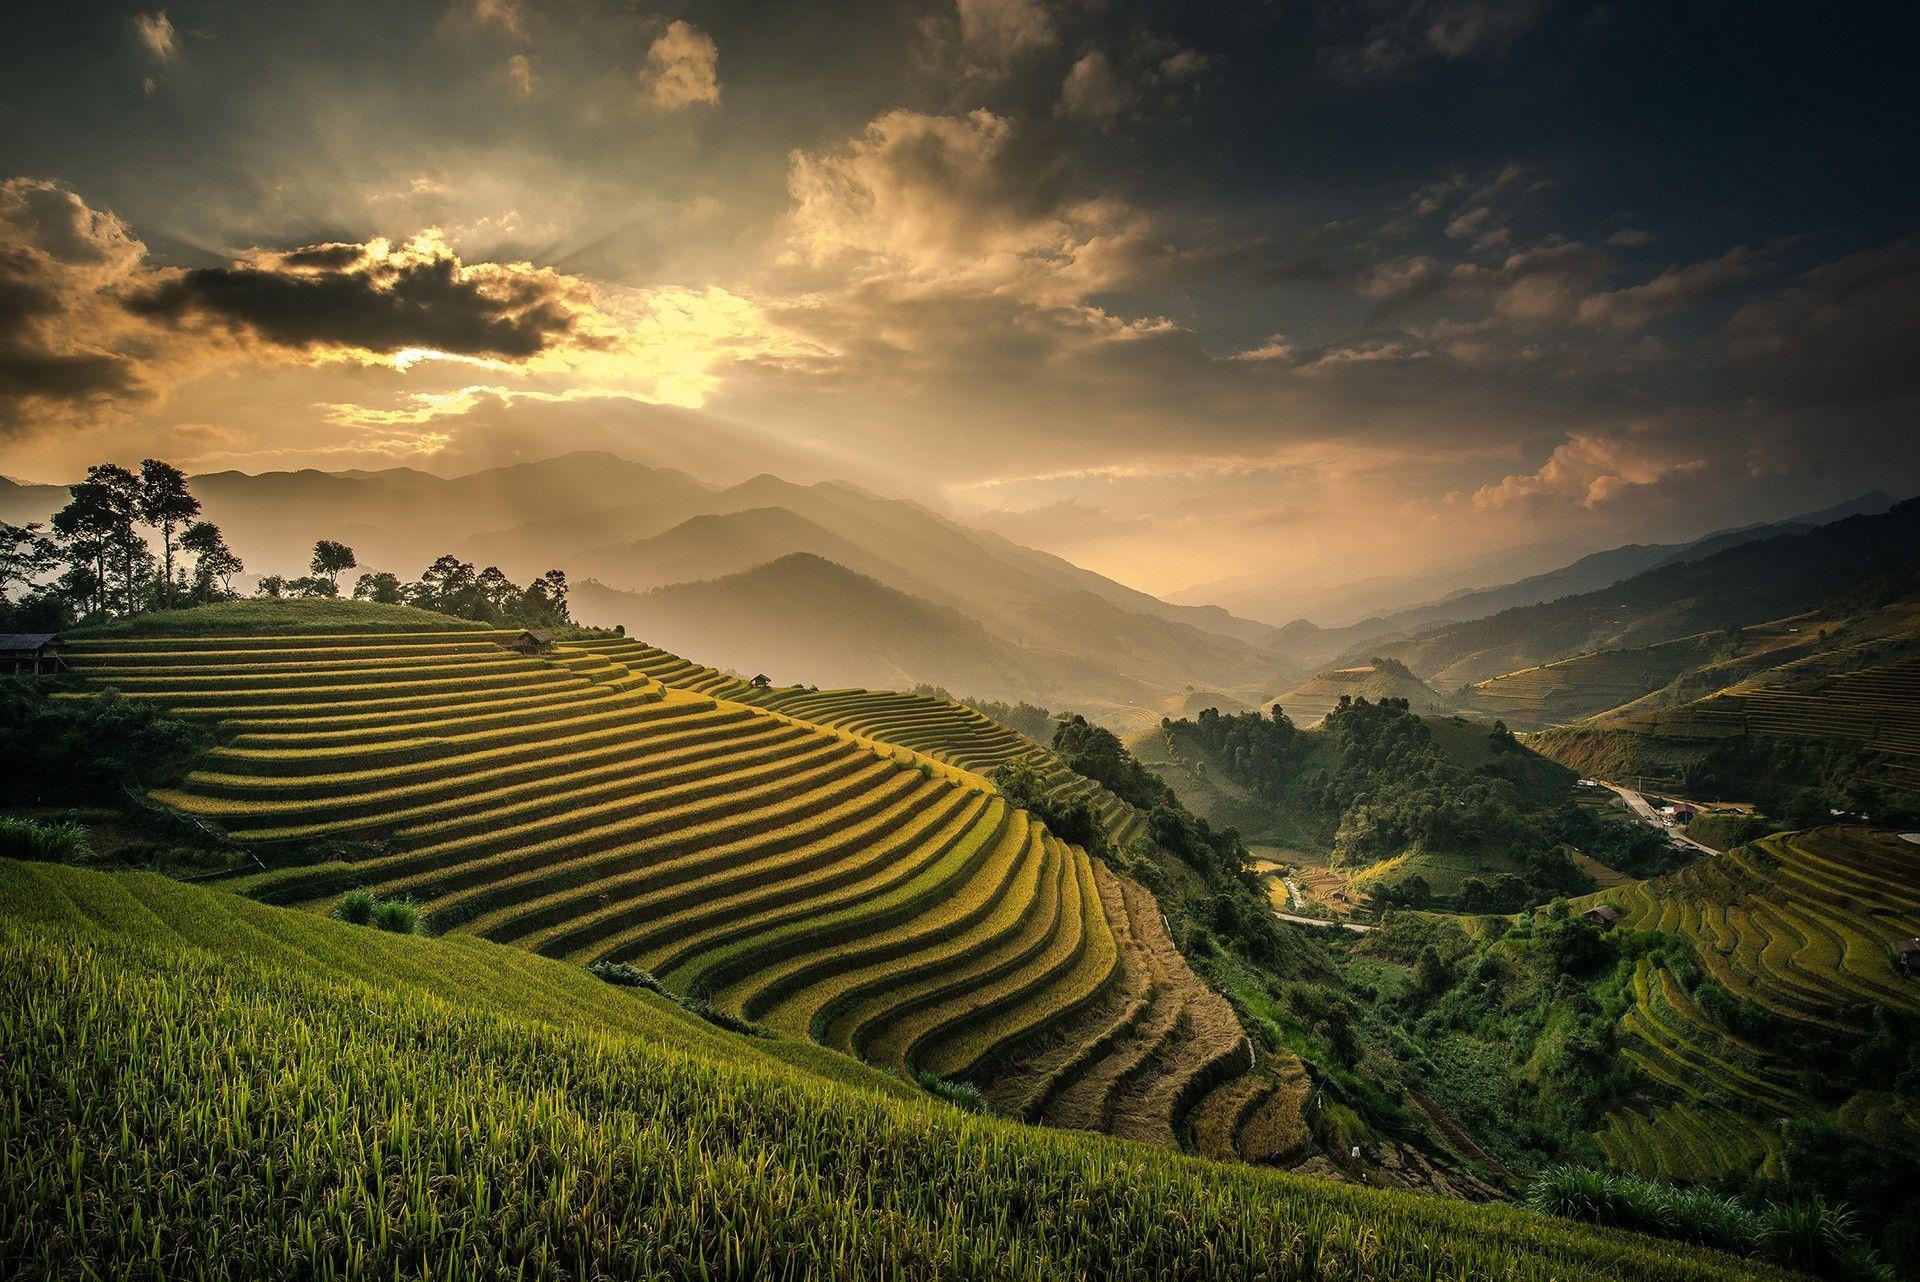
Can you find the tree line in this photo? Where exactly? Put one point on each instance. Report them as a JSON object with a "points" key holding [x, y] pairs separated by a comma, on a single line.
{"points": [[128, 542]]}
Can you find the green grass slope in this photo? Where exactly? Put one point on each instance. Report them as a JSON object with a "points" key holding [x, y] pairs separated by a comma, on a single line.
{"points": [[198, 1085]]}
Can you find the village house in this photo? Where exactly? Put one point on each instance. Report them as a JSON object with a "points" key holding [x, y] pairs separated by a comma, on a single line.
{"points": [[530, 641], [30, 654]]}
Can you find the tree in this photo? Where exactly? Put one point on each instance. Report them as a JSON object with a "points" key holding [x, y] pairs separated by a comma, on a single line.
{"points": [[165, 502], [273, 585], [382, 588], [446, 586], [213, 560], [313, 585], [546, 597], [98, 526], [329, 559], [496, 591], [25, 554]]}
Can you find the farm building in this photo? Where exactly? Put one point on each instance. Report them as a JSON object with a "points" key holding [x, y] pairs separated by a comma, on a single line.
{"points": [[1906, 956], [30, 654], [1604, 916], [760, 682], [531, 641]]}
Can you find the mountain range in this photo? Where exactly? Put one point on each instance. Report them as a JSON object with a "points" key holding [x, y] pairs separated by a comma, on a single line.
{"points": [[829, 582]]}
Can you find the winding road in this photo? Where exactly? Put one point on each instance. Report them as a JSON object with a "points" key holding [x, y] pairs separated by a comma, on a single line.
{"points": [[1642, 807]]}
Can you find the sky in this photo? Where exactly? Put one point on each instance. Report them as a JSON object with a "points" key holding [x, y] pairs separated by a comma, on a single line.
{"points": [[1294, 293]]}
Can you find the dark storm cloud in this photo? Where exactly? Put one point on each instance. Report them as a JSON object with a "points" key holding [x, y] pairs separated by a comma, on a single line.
{"points": [[55, 252], [89, 326], [320, 297]]}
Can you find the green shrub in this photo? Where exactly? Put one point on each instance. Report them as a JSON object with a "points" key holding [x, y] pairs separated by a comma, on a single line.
{"points": [[962, 1095], [60, 843], [624, 976], [1813, 1236], [397, 916], [60, 751], [355, 907]]}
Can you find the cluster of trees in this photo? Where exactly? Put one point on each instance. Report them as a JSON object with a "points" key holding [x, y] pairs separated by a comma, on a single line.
{"points": [[329, 561], [1373, 783], [1029, 719], [1261, 753], [452, 586], [1068, 818], [125, 542], [1098, 754]]}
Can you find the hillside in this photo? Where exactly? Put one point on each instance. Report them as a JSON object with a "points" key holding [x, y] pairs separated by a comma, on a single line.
{"points": [[1799, 929], [805, 617], [1744, 585], [824, 882], [413, 1078], [716, 545], [1805, 715], [1379, 606], [1403, 807], [1127, 643], [1312, 700], [638, 528], [1588, 685]]}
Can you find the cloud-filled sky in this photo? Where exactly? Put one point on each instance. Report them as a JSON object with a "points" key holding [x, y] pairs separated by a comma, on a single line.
{"points": [[1311, 291]]}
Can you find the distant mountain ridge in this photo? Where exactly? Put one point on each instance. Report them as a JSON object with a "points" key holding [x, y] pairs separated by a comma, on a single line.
{"points": [[1748, 583], [1592, 573], [1038, 627]]}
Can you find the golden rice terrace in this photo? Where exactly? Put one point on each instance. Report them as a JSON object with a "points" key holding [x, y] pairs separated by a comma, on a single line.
{"points": [[829, 864]]}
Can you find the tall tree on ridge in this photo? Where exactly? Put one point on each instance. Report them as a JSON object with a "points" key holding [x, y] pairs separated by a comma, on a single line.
{"points": [[329, 560], [213, 559], [25, 554], [164, 503], [98, 527]]}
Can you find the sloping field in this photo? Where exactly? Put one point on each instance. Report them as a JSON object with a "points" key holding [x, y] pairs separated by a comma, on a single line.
{"points": [[1688, 1143], [1802, 924], [573, 804], [1583, 686], [204, 1086], [1875, 707]]}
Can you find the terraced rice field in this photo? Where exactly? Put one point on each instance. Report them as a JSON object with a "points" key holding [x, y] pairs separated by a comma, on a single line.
{"points": [[1878, 708], [604, 800], [1801, 924], [203, 1086], [941, 729], [1687, 1143], [1673, 1041], [1583, 686]]}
